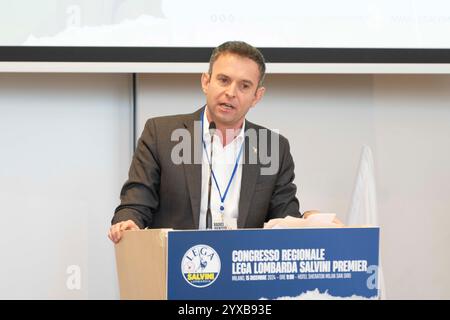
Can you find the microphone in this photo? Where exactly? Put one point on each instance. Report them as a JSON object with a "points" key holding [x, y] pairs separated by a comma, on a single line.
{"points": [[212, 128]]}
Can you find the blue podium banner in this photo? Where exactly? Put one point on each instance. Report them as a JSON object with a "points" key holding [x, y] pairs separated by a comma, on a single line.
{"points": [[273, 264]]}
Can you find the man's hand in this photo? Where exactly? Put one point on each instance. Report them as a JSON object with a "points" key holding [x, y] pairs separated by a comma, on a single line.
{"points": [[116, 230], [306, 214]]}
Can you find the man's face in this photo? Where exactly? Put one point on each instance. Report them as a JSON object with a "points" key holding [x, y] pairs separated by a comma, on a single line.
{"points": [[232, 89]]}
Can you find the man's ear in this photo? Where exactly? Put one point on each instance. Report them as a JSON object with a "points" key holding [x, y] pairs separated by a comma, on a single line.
{"points": [[258, 95], [206, 78]]}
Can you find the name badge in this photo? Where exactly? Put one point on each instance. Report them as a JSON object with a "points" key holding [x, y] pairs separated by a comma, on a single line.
{"points": [[222, 222]]}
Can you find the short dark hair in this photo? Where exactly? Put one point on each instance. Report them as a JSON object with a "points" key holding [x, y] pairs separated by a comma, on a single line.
{"points": [[242, 49]]}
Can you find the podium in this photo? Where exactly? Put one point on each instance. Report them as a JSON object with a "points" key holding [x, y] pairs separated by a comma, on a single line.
{"points": [[249, 264]]}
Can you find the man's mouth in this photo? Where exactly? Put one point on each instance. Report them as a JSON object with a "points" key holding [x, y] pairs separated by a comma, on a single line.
{"points": [[227, 106]]}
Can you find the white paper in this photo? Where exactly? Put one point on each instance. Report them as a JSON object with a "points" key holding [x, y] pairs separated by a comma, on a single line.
{"points": [[316, 220], [321, 218]]}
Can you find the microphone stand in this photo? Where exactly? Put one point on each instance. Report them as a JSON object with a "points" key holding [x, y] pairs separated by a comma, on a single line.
{"points": [[212, 127]]}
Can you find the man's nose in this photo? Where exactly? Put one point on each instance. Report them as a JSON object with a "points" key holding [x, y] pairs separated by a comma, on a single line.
{"points": [[231, 90]]}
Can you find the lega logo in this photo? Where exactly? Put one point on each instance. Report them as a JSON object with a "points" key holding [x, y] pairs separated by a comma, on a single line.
{"points": [[200, 266]]}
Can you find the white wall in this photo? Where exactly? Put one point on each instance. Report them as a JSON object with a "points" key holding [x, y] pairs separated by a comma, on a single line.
{"points": [[65, 152], [327, 118], [412, 117], [65, 147]]}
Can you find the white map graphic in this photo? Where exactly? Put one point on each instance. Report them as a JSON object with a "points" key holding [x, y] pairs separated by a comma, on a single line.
{"points": [[316, 295]]}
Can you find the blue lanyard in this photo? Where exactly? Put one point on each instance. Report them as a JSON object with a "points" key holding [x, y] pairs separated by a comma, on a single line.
{"points": [[222, 198]]}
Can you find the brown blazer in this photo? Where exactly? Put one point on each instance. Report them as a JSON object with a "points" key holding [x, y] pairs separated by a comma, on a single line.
{"points": [[162, 194]]}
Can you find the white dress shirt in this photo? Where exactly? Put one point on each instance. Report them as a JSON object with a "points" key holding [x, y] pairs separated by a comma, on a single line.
{"points": [[223, 162]]}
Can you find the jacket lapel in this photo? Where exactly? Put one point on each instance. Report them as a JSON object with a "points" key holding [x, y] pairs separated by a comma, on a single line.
{"points": [[250, 173], [193, 170]]}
